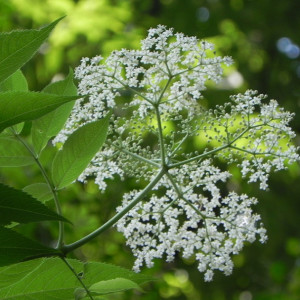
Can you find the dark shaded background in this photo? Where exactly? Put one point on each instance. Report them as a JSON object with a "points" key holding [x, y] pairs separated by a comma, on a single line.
{"points": [[263, 38]]}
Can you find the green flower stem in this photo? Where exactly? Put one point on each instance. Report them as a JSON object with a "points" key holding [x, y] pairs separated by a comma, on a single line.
{"points": [[258, 153], [78, 278], [181, 163], [196, 66], [134, 155], [133, 90], [160, 136], [50, 185], [68, 248], [212, 151], [205, 218], [165, 88], [179, 145], [181, 196]]}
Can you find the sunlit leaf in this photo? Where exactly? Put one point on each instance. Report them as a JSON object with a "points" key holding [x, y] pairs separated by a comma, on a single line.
{"points": [[49, 125], [77, 152], [103, 271], [108, 287], [51, 279], [15, 82], [17, 47], [16, 106]]}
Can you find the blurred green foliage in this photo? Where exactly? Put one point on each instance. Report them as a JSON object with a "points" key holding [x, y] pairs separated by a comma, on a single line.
{"points": [[263, 38]]}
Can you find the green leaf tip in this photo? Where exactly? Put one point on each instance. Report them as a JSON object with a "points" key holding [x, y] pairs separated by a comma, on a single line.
{"points": [[20, 106], [15, 247], [17, 47], [18, 206]]}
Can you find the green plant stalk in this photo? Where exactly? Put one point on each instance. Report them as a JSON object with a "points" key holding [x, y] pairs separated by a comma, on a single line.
{"points": [[257, 153], [160, 136], [181, 195], [133, 90], [165, 88], [50, 185], [212, 151], [134, 155], [68, 248], [78, 278]]}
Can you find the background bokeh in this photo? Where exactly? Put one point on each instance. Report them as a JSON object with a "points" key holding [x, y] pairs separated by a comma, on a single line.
{"points": [[263, 39]]}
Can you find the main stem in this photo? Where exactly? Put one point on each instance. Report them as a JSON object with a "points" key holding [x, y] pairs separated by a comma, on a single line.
{"points": [[68, 248], [50, 185], [57, 204]]}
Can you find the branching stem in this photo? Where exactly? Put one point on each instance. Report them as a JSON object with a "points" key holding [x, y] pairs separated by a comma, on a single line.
{"points": [[181, 196], [210, 152], [68, 248], [134, 155]]}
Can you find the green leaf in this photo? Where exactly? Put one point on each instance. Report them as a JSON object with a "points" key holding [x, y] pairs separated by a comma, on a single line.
{"points": [[64, 87], [103, 271], [49, 278], [78, 151], [49, 125], [15, 247], [13, 153], [80, 293], [46, 278], [17, 106], [113, 286], [15, 82], [17, 47], [18, 127], [108, 287], [40, 191], [17, 206], [109, 279]]}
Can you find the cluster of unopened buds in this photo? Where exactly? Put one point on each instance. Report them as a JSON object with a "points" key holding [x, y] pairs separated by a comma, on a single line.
{"points": [[154, 95]]}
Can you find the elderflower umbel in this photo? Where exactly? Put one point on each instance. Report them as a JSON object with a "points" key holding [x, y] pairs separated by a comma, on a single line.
{"points": [[154, 94]]}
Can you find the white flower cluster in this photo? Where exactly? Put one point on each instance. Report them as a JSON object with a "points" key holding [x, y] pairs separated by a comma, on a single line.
{"points": [[153, 93], [257, 134], [187, 221]]}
